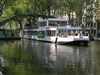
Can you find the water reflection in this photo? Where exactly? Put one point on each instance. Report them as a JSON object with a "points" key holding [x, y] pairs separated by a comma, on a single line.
{"points": [[59, 58], [28, 57]]}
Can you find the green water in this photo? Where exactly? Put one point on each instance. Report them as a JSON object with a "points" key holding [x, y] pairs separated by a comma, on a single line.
{"points": [[28, 57]]}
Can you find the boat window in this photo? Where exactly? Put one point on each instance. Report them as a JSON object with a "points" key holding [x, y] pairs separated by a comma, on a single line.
{"points": [[63, 23], [34, 33], [30, 32], [52, 23], [85, 33], [57, 23], [42, 23], [76, 32], [50, 32], [73, 32], [62, 33], [69, 32]]}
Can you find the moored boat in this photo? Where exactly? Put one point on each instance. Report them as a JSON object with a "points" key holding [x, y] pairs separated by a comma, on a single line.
{"points": [[57, 31]]}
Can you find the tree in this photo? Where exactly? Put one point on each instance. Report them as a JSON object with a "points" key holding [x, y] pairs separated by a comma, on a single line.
{"points": [[56, 8], [2, 5]]}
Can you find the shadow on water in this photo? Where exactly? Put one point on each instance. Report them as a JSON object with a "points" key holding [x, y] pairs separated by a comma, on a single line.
{"points": [[28, 57]]}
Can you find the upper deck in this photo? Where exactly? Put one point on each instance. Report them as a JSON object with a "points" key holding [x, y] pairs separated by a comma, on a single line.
{"points": [[54, 19], [53, 22], [69, 27]]}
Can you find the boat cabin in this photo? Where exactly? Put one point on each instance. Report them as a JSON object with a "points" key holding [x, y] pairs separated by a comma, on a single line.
{"points": [[71, 31], [53, 22]]}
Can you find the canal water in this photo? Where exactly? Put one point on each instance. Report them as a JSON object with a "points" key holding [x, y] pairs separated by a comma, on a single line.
{"points": [[28, 57]]}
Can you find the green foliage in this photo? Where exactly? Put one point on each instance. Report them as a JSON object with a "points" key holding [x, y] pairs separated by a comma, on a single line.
{"points": [[9, 8]]}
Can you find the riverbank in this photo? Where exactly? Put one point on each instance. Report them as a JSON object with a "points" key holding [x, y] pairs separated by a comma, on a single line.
{"points": [[10, 38]]}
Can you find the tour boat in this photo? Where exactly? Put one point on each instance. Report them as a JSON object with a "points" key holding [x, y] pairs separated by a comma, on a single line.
{"points": [[57, 31]]}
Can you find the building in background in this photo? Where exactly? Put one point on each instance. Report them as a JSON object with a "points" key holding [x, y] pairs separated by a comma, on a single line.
{"points": [[91, 24], [98, 19], [90, 17]]}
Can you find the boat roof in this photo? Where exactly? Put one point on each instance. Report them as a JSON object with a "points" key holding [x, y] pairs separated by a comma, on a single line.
{"points": [[70, 27], [54, 19], [61, 27]]}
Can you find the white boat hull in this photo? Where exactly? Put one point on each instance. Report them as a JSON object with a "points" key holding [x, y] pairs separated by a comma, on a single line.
{"points": [[61, 40]]}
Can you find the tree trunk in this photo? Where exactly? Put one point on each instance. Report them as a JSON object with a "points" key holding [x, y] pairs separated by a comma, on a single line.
{"points": [[29, 20], [20, 23]]}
